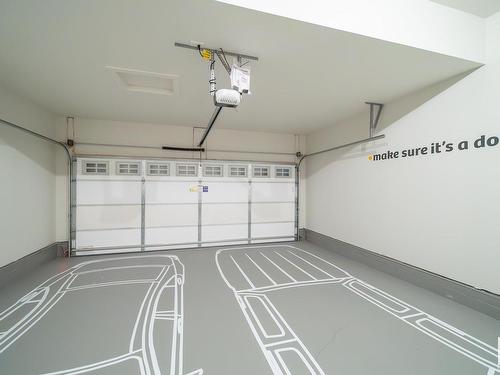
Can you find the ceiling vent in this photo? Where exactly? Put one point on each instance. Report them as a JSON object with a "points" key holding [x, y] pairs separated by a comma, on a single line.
{"points": [[148, 82]]}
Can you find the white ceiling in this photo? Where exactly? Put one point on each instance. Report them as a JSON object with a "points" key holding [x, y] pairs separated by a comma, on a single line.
{"points": [[481, 8], [55, 52]]}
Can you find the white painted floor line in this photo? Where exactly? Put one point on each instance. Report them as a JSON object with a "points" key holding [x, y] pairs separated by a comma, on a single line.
{"points": [[271, 345], [266, 304], [281, 269], [456, 339], [139, 315], [111, 283], [261, 270], [319, 269], [293, 264], [171, 276], [196, 372], [120, 268], [277, 343], [99, 365], [269, 288], [352, 284], [243, 273], [301, 356], [412, 315], [459, 335]]}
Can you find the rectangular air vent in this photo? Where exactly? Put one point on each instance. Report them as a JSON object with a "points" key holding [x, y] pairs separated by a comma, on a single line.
{"points": [[128, 168], [148, 82], [212, 170], [95, 167], [158, 169], [187, 170], [261, 171], [237, 171]]}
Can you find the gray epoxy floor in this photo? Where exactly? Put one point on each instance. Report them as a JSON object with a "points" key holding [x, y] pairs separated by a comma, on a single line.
{"points": [[267, 309]]}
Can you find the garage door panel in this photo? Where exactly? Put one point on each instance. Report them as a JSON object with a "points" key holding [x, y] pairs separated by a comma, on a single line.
{"points": [[273, 230], [224, 214], [224, 232], [171, 192], [226, 192], [273, 192], [171, 215], [106, 238], [108, 217], [108, 192], [112, 210], [155, 236], [271, 212]]}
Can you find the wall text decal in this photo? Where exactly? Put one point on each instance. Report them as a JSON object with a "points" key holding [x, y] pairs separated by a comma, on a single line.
{"points": [[437, 148]]}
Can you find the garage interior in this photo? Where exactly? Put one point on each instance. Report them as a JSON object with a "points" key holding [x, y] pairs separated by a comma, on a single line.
{"points": [[248, 187]]}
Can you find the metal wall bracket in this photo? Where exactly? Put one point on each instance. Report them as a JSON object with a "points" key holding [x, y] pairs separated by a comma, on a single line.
{"points": [[223, 61], [214, 51], [375, 111]]}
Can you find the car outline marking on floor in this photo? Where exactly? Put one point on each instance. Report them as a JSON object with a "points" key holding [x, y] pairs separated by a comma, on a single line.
{"points": [[171, 275], [408, 314]]}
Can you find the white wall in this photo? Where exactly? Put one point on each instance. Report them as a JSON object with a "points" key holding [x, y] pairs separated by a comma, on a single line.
{"points": [[439, 212], [27, 188], [231, 144], [417, 23]]}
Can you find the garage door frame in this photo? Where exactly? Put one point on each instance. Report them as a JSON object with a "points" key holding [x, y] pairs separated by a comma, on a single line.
{"points": [[250, 180]]}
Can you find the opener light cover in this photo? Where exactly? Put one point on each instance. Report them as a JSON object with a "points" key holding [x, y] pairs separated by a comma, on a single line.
{"points": [[227, 98]]}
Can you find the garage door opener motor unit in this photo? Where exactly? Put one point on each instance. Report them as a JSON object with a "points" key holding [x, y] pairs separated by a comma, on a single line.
{"points": [[239, 75]]}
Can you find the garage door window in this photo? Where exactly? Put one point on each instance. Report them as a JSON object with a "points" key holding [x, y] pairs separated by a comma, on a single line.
{"points": [[95, 167], [130, 169], [158, 169], [212, 171], [261, 171], [237, 171], [283, 172], [187, 170]]}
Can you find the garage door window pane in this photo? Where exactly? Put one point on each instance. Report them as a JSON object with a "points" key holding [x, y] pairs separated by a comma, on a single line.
{"points": [[158, 169], [187, 170], [237, 171], [212, 170], [95, 167], [284, 172], [261, 171], [130, 169]]}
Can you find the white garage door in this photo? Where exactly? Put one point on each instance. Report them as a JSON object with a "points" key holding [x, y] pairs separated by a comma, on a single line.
{"points": [[141, 205]]}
